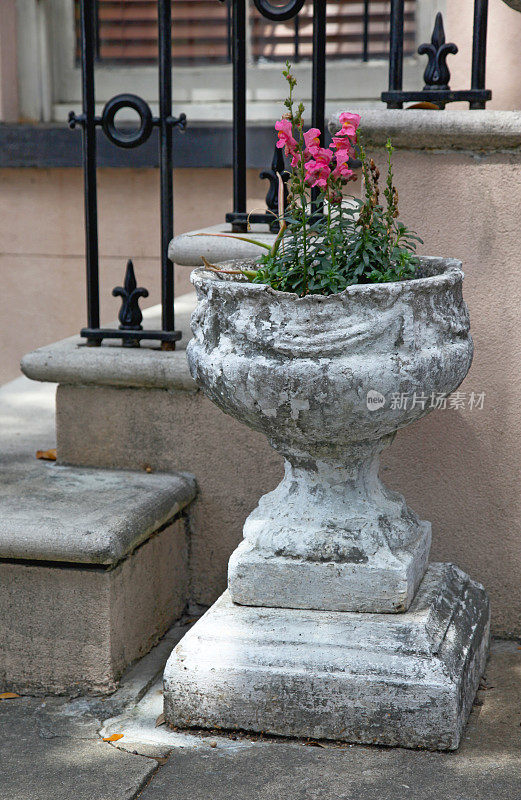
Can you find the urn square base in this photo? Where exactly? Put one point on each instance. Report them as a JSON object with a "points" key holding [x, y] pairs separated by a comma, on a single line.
{"points": [[391, 679], [383, 582]]}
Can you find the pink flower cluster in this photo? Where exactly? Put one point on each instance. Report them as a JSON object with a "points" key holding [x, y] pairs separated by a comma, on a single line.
{"points": [[317, 160]]}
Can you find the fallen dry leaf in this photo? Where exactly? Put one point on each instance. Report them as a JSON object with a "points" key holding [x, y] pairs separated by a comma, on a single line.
{"points": [[8, 695], [47, 455], [160, 720], [114, 737]]}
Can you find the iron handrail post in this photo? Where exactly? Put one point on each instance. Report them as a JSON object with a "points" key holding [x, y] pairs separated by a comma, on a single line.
{"points": [[164, 11], [396, 50], [365, 53], [318, 77], [479, 49], [239, 110], [87, 21]]}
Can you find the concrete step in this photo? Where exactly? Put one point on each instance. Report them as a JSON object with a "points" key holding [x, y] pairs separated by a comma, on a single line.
{"points": [[93, 562]]}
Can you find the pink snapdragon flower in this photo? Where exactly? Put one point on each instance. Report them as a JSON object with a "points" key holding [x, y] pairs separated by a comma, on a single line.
{"points": [[343, 143], [345, 138], [323, 155], [317, 173], [342, 171], [349, 122], [312, 141], [284, 129]]}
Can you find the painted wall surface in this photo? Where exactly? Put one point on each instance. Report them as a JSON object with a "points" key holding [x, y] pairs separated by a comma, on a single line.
{"points": [[462, 468], [8, 76]]}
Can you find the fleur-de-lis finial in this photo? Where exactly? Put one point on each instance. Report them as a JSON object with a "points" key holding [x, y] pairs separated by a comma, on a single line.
{"points": [[130, 316], [272, 195], [437, 75]]}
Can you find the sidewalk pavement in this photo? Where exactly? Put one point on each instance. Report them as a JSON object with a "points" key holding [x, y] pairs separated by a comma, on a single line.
{"points": [[50, 748]]}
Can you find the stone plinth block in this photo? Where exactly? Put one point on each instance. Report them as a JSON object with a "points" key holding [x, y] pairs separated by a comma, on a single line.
{"points": [[392, 679], [355, 546]]}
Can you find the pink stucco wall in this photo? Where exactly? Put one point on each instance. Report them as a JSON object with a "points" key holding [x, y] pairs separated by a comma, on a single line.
{"points": [[504, 36]]}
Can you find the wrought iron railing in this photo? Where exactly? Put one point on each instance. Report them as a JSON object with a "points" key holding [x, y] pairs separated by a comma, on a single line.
{"points": [[436, 91], [437, 75], [130, 330]]}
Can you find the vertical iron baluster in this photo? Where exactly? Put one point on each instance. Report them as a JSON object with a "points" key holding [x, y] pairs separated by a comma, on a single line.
{"points": [[296, 53], [96, 29], [165, 163], [318, 80], [239, 111], [479, 49], [365, 56], [229, 31], [89, 163], [396, 50]]}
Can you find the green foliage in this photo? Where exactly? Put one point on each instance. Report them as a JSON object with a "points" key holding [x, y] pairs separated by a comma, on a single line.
{"points": [[361, 241]]}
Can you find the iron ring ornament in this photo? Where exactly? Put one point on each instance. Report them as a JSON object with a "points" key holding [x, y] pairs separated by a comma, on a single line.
{"points": [[279, 13], [127, 138]]}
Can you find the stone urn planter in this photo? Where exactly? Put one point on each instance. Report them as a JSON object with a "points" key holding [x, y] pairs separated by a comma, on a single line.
{"points": [[329, 381], [333, 626]]}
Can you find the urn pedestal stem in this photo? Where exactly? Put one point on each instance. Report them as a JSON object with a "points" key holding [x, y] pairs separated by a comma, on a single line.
{"points": [[331, 536]]}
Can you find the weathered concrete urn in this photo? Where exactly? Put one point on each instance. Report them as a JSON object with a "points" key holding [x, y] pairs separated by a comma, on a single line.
{"points": [[333, 627], [304, 371]]}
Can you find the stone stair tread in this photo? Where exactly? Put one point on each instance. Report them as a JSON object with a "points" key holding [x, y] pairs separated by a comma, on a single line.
{"points": [[70, 361], [50, 512], [187, 249]]}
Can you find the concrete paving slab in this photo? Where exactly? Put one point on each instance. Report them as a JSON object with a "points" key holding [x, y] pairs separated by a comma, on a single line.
{"points": [[72, 763], [221, 766], [270, 772]]}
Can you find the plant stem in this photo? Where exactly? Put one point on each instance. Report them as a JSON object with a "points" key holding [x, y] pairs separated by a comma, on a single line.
{"points": [[331, 243]]}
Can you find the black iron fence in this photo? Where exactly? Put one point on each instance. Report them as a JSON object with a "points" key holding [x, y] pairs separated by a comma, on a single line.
{"points": [[436, 91]]}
